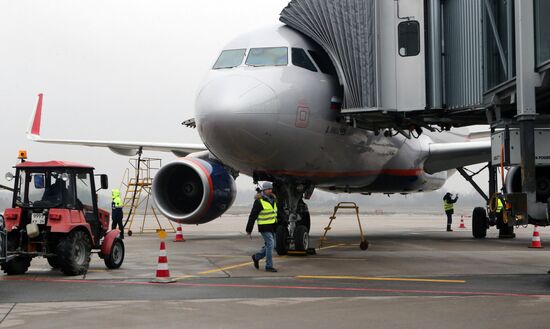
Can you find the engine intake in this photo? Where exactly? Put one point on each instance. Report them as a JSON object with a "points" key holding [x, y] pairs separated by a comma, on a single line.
{"points": [[193, 191], [513, 182]]}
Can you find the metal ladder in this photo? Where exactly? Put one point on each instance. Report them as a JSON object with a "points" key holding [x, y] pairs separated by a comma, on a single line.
{"points": [[364, 244]]}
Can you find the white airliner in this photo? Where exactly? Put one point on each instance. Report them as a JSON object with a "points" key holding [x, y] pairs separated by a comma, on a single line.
{"points": [[270, 109]]}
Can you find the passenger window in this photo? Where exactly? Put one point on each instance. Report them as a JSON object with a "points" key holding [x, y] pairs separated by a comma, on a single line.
{"points": [[299, 58], [229, 58], [408, 38], [268, 56], [323, 62]]}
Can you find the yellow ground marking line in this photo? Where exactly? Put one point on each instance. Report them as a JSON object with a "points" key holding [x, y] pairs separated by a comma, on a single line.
{"points": [[223, 256], [226, 268], [250, 263], [231, 267], [375, 278], [97, 271]]}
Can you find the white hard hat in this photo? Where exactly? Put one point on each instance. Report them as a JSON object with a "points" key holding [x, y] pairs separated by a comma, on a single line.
{"points": [[267, 186]]}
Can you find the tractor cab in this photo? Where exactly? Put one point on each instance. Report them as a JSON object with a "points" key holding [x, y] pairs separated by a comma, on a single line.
{"points": [[54, 214], [43, 187]]}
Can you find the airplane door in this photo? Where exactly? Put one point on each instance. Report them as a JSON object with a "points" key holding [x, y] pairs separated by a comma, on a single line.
{"points": [[410, 55]]}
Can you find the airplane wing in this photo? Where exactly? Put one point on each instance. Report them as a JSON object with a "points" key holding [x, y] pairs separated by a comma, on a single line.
{"points": [[445, 156], [119, 147]]}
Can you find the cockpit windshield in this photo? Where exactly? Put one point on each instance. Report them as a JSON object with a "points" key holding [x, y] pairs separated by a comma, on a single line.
{"points": [[276, 56], [229, 58]]}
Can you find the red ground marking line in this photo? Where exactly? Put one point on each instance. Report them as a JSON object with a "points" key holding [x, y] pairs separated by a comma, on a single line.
{"points": [[257, 286]]}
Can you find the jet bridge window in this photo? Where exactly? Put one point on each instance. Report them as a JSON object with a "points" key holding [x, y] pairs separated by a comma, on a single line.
{"points": [[268, 56], [408, 38], [323, 62], [229, 58], [299, 58]]}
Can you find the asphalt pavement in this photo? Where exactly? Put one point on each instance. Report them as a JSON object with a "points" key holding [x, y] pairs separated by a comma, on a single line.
{"points": [[414, 275]]}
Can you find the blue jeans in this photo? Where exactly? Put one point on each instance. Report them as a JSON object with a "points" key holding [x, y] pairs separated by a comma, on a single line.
{"points": [[267, 249]]}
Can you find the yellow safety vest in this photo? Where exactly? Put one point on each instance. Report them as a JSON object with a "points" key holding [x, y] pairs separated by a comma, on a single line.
{"points": [[268, 215], [499, 206], [447, 205], [117, 202]]}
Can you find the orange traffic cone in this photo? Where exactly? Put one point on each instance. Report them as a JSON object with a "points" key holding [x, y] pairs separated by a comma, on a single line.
{"points": [[163, 273], [462, 222], [535, 242], [179, 235]]}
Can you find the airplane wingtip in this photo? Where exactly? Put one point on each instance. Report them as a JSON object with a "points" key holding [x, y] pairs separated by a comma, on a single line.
{"points": [[33, 132]]}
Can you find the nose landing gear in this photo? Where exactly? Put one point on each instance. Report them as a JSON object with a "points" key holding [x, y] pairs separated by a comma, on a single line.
{"points": [[293, 230]]}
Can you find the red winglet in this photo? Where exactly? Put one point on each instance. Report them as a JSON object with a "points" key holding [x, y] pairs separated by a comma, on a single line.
{"points": [[35, 130]]}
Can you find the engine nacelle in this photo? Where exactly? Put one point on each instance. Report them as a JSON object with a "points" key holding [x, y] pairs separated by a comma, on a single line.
{"points": [[513, 182], [193, 191]]}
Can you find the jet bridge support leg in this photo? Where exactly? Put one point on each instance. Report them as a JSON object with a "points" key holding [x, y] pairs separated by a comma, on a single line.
{"points": [[484, 217]]}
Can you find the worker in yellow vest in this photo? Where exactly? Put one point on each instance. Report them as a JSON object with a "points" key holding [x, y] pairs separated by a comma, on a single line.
{"points": [[504, 231], [264, 211], [116, 212], [500, 206], [448, 202]]}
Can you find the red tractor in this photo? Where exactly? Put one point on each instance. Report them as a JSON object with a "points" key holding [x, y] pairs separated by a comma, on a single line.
{"points": [[54, 214]]}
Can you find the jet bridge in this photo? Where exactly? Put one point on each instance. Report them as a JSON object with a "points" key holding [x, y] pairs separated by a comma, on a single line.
{"points": [[408, 65], [435, 64]]}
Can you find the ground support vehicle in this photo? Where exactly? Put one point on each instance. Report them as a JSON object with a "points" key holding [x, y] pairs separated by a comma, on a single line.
{"points": [[54, 214]]}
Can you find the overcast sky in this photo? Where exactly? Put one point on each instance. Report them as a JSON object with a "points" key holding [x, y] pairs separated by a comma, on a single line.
{"points": [[114, 70]]}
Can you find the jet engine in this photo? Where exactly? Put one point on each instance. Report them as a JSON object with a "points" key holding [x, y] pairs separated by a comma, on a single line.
{"points": [[513, 182], [193, 191]]}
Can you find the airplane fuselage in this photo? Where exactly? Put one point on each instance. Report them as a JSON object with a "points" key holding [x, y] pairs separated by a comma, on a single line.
{"points": [[283, 120]]}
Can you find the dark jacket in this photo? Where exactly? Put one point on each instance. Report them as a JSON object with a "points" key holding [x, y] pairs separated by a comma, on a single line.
{"points": [[448, 198], [116, 212], [256, 208]]}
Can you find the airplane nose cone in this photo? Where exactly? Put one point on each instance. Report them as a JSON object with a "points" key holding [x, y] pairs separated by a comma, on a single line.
{"points": [[236, 116], [236, 94]]}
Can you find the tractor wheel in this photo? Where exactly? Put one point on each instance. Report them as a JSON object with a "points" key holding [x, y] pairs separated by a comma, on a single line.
{"points": [[18, 265], [73, 252], [479, 223], [116, 255], [301, 238], [281, 236], [54, 262]]}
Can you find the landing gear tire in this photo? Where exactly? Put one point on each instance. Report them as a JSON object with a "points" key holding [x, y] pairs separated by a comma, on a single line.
{"points": [[18, 265], [301, 238], [364, 245], [304, 214], [306, 220], [74, 253], [479, 223], [281, 246], [116, 256]]}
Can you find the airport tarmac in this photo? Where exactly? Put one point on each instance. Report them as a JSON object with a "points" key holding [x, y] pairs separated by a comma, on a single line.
{"points": [[414, 275]]}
